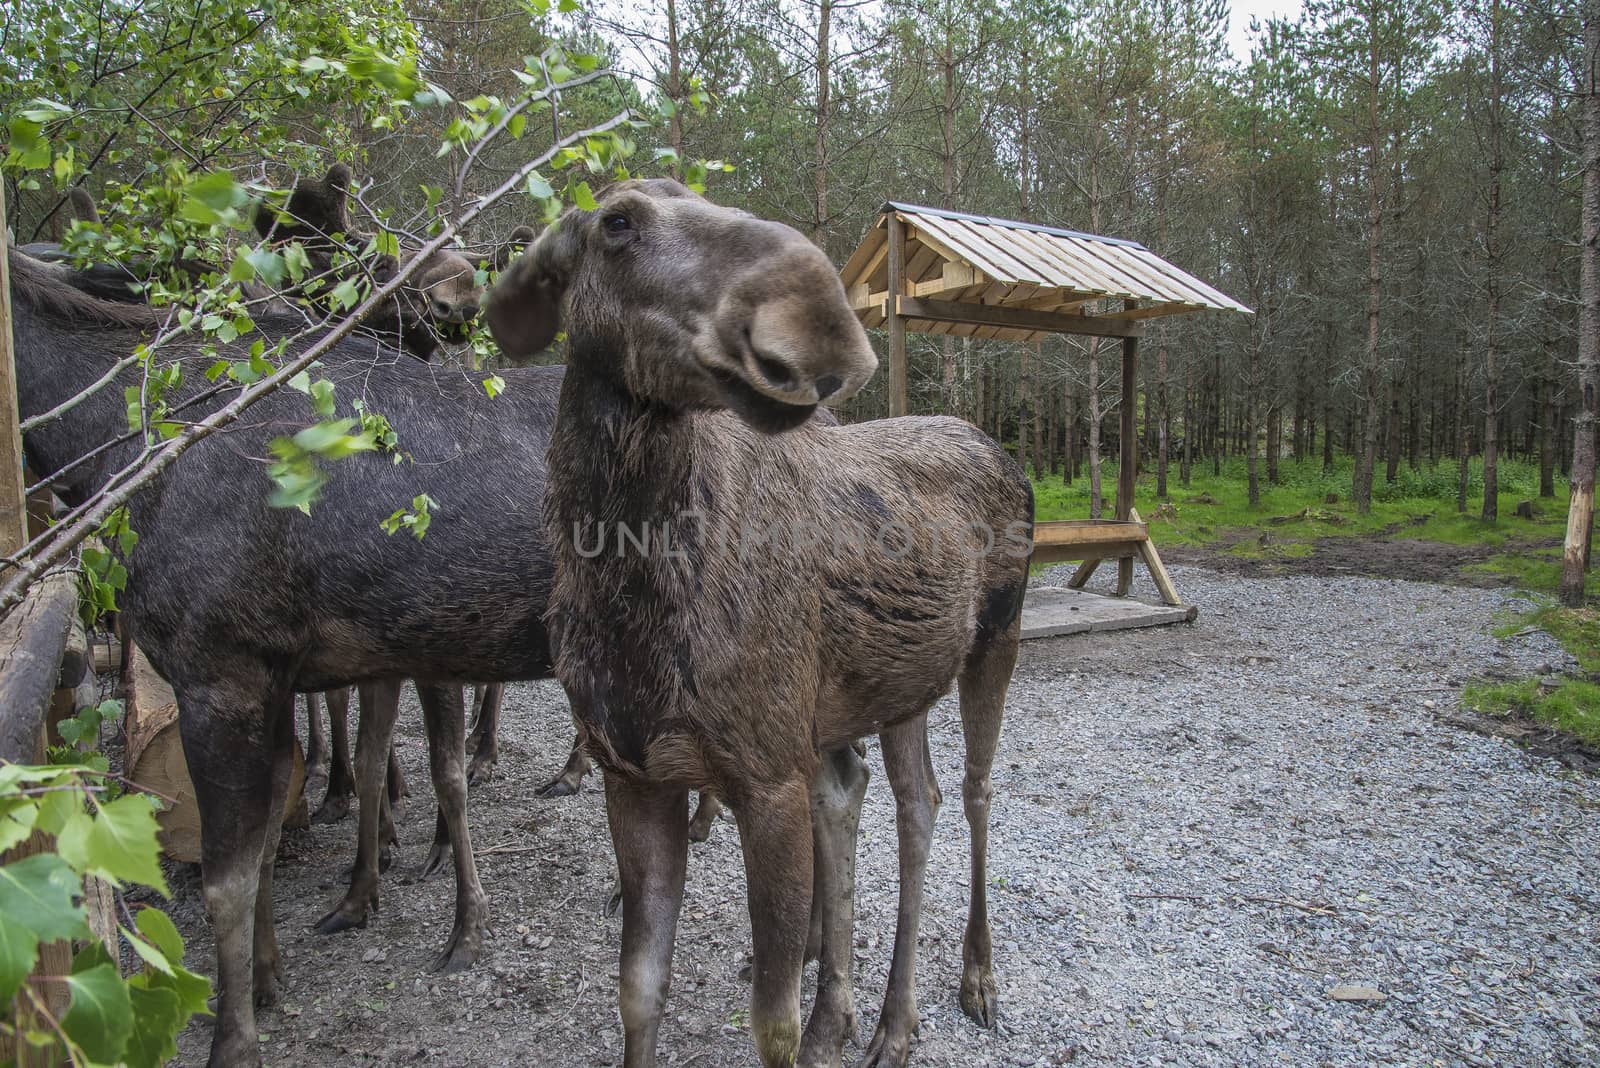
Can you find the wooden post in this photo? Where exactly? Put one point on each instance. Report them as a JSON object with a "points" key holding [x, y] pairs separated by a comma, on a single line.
{"points": [[13, 501], [897, 325], [1129, 460]]}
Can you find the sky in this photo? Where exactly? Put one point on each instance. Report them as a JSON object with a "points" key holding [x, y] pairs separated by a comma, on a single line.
{"points": [[1239, 20]]}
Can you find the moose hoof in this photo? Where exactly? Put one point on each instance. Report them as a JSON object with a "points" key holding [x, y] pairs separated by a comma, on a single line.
{"points": [[481, 770], [886, 1050], [460, 953], [560, 786], [438, 857], [385, 858], [343, 918], [980, 997], [334, 807]]}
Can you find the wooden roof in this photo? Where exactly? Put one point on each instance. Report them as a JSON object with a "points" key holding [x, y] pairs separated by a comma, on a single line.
{"points": [[966, 267]]}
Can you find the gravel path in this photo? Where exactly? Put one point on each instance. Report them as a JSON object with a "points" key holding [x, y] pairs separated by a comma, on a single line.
{"points": [[1199, 832]]}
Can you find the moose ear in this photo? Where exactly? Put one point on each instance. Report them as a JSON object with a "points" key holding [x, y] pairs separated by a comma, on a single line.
{"points": [[337, 180], [524, 308], [519, 239]]}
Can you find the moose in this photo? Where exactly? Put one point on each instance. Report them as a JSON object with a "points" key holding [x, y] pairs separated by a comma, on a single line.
{"points": [[240, 605], [700, 341]]}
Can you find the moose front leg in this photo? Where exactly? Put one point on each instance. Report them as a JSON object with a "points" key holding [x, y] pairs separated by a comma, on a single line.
{"points": [[775, 830], [648, 834], [836, 796]]}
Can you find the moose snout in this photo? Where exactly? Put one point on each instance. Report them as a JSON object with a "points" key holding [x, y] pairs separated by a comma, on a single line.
{"points": [[446, 311], [802, 352]]}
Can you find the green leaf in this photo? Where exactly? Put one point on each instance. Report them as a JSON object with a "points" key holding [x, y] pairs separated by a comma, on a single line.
{"points": [[538, 188], [494, 385], [100, 1017], [39, 893], [583, 198], [147, 952], [159, 929], [16, 823], [158, 1016], [19, 948], [118, 844]]}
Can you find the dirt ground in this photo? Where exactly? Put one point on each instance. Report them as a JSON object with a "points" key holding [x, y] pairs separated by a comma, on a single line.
{"points": [[1385, 557], [1200, 832]]}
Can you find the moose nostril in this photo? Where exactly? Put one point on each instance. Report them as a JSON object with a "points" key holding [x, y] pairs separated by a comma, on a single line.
{"points": [[775, 372], [469, 312], [441, 309], [828, 385]]}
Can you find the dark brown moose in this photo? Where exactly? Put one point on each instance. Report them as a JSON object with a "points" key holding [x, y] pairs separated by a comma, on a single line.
{"points": [[700, 342]]}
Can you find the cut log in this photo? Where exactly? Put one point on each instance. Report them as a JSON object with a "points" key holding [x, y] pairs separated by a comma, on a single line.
{"points": [[155, 761]]}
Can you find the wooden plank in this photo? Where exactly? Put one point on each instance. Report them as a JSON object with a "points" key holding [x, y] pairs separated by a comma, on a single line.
{"points": [[1221, 300], [1157, 284], [1030, 248], [1128, 460], [1016, 318], [1067, 268], [1103, 550], [959, 247], [1152, 311], [1080, 576], [1052, 611], [1112, 282], [1158, 570], [989, 240], [867, 255], [1088, 531], [897, 325]]}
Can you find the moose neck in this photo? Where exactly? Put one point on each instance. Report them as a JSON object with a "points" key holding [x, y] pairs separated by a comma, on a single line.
{"points": [[614, 456]]}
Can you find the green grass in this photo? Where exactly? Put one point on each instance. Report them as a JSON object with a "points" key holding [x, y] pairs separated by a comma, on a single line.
{"points": [[1570, 705], [1214, 510]]}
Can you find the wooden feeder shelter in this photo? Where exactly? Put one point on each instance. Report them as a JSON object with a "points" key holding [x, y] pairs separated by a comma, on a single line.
{"points": [[944, 272]]}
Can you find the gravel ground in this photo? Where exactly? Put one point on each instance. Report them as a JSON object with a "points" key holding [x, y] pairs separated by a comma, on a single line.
{"points": [[1199, 832]]}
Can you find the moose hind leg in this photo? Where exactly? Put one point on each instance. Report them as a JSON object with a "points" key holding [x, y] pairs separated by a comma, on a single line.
{"points": [[380, 707], [227, 745], [484, 743], [836, 795], [647, 833], [316, 741], [983, 697], [916, 795], [341, 776], [705, 814], [443, 710], [566, 784]]}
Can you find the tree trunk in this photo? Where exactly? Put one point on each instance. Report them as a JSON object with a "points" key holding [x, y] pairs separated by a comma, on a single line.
{"points": [[819, 187], [1580, 511], [1491, 407], [1187, 462], [1274, 442], [1069, 469], [1371, 376]]}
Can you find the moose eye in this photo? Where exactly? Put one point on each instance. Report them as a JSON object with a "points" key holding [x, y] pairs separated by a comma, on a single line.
{"points": [[616, 224]]}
